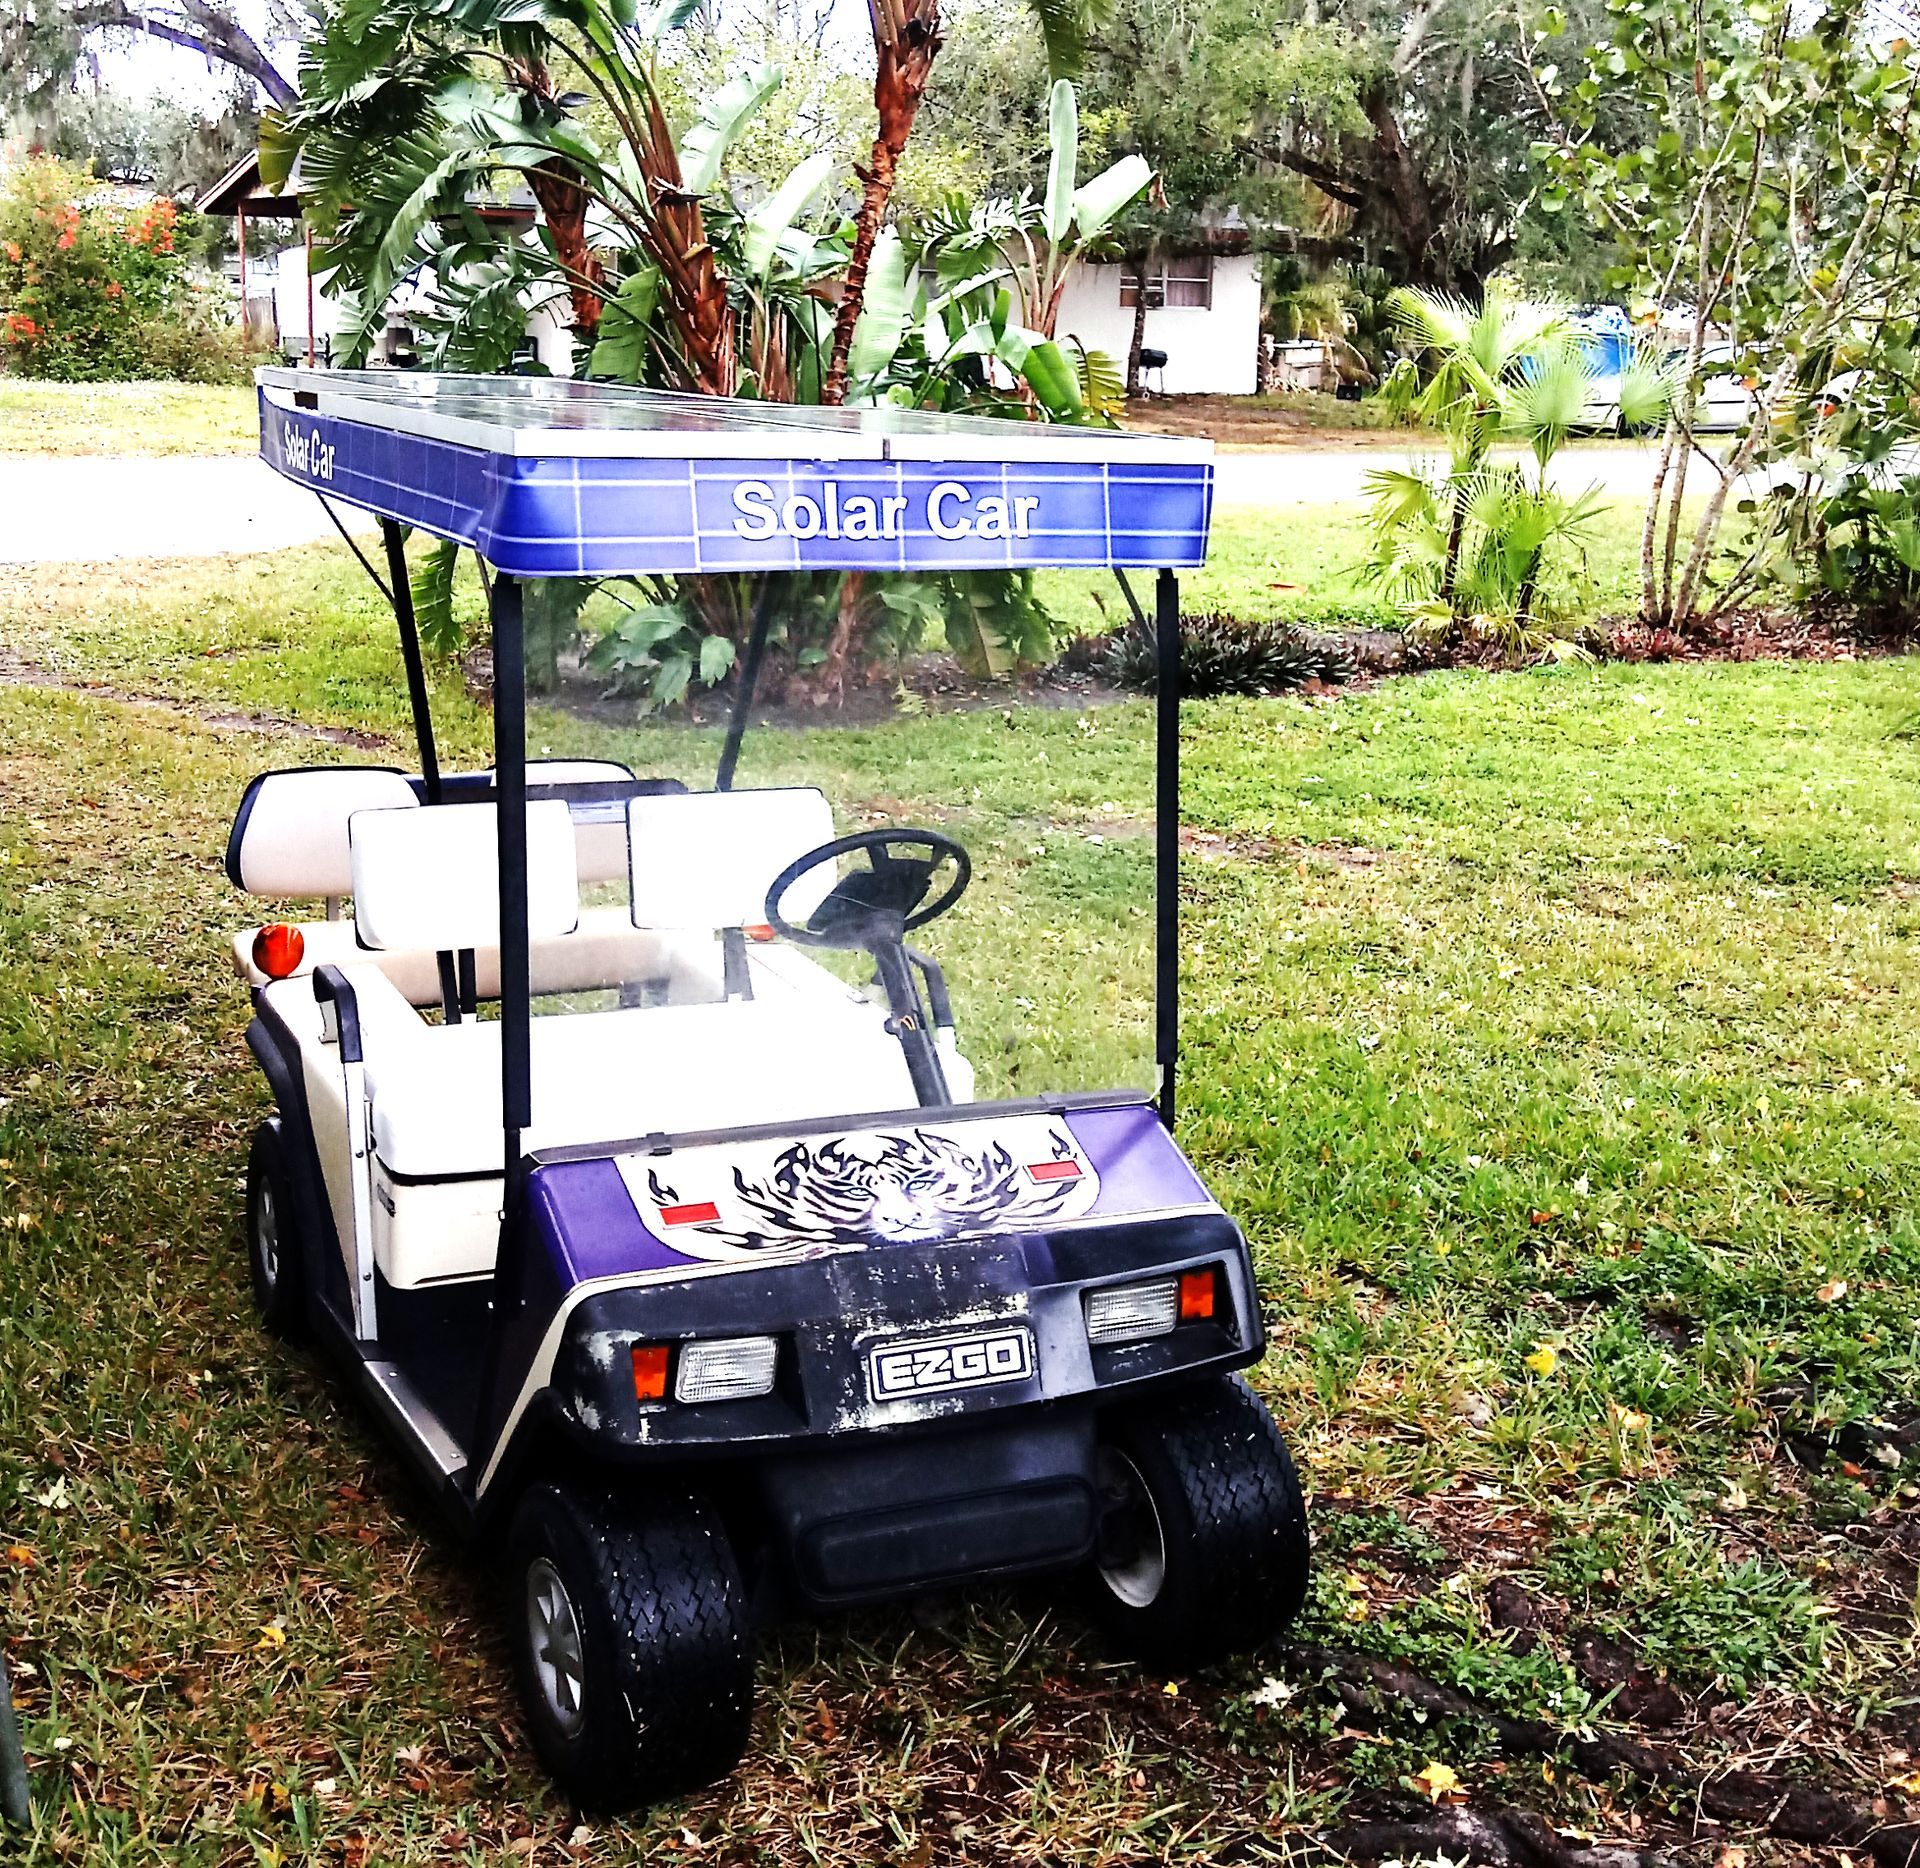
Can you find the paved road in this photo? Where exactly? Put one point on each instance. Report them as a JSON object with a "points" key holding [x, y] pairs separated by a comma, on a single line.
{"points": [[1283, 477], [78, 509]]}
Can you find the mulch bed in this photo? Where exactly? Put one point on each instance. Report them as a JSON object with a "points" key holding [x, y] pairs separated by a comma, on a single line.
{"points": [[1812, 635]]}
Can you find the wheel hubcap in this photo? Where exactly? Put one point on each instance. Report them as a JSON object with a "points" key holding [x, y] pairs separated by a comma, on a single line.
{"points": [[553, 1634], [266, 1234], [1133, 1547]]}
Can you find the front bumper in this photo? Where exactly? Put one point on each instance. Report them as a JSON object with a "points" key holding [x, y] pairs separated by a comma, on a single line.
{"points": [[828, 1314]]}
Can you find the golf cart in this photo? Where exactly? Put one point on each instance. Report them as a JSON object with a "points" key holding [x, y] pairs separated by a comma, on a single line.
{"points": [[711, 1292]]}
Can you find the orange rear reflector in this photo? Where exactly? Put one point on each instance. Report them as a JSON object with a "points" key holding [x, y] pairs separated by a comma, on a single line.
{"points": [[650, 1371], [278, 950], [1196, 1295], [757, 930]]}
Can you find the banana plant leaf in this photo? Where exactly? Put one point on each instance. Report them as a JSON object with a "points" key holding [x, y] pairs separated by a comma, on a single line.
{"points": [[886, 309], [768, 224], [703, 150], [1099, 202], [1063, 138], [625, 325]]}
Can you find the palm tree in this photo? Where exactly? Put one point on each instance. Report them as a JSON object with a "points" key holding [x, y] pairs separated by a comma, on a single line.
{"points": [[1468, 548]]}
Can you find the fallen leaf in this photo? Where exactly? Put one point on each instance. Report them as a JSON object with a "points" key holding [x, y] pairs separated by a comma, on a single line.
{"points": [[1438, 1780], [1730, 1855], [1910, 1783], [20, 1554], [1172, 1689], [272, 1635], [1543, 1361], [1833, 1291]]}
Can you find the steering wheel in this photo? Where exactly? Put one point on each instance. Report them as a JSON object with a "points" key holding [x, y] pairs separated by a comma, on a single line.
{"points": [[886, 900]]}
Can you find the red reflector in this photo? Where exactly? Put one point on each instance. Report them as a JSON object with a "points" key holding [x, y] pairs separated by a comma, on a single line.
{"points": [[1055, 1170], [278, 950], [1196, 1295], [694, 1213], [650, 1371], [757, 930]]}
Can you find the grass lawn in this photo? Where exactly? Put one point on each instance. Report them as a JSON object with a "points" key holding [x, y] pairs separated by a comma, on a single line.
{"points": [[1551, 1034], [126, 418]]}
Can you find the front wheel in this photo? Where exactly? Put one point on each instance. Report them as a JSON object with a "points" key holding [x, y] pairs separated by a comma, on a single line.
{"points": [[1203, 1547], [630, 1644]]}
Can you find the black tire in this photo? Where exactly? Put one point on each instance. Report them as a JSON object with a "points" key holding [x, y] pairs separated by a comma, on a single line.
{"points": [[1206, 1477], [276, 1254], [662, 1697]]}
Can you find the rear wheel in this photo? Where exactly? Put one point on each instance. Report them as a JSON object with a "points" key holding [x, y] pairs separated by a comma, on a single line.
{"points": [[630, 1644], [1203, 1546], [274, 1248]]}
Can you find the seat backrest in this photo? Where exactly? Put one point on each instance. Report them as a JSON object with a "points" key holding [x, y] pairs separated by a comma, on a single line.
{"points": [[430, 876], [705, 859], [289, 836]]}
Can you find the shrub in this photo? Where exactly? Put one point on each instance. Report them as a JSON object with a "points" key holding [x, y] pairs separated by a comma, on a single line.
{"points": [[1221, 655], [94, 292]]}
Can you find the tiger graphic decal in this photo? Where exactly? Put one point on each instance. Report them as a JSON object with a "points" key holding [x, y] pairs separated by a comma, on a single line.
{"points": [[868, 1187]]}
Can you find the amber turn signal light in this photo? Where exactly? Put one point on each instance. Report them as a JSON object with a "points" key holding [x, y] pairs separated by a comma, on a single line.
{"points": [[278, 950], [1196, 1295], [650, 1371]]}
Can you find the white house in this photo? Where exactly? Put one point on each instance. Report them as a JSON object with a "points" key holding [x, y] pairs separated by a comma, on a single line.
{"points": [[1203, 310]]}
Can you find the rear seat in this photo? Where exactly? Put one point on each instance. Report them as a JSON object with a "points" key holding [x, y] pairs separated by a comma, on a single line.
{"points": [[289, 840]]}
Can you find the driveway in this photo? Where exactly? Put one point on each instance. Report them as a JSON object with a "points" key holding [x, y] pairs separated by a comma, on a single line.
{"points": [[80, 508]]}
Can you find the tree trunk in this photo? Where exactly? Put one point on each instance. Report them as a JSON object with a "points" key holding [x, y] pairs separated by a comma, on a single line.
{"points": [[563, 203], [828, 681], [1412, 210], [906, 39], [1139, 325]]}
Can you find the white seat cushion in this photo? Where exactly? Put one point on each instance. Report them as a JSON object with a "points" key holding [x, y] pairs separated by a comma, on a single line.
{"points": [[705, 859], [290, 835], [430, 877]]}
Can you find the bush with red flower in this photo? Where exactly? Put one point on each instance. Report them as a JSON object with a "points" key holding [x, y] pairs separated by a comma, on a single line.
{"points": [[95, 291]]}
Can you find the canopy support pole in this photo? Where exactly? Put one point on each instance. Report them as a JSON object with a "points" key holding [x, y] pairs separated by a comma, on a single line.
{"points": [[504, 611], [400, 592], [1166, 835], [749, 680], [516, 995]]}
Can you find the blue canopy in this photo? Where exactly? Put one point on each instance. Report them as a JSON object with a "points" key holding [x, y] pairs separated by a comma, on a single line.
{"points": [[547, 477]]}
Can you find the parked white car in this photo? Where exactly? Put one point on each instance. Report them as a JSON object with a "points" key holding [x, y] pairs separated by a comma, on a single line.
{"points": [[1727, 398]]}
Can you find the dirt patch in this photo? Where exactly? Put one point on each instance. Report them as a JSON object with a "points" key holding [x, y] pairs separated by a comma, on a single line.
{"points": [[17, 674], [1300, 420]]}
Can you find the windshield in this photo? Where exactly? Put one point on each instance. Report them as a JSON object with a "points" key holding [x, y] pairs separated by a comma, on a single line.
{"points": [[960, 705]]}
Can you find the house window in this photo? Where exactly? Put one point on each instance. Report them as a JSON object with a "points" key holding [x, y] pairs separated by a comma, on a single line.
{"points": [[1182, 283]]}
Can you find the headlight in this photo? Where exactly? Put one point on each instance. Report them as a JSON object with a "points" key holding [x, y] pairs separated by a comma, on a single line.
{"points": [[1130, 1313], [734, 1368]]}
